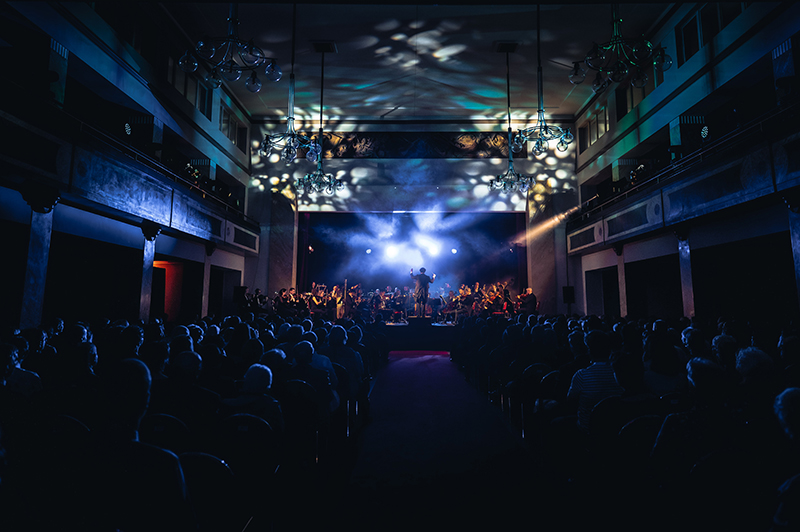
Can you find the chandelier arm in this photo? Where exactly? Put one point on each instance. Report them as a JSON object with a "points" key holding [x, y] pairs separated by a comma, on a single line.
{"points": [[616, 24], [508, 96], [290, 118], [321, 94], [294, 33]]}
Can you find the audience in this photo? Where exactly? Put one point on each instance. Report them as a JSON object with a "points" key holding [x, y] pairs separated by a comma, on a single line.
{"points": [[729, 386]]}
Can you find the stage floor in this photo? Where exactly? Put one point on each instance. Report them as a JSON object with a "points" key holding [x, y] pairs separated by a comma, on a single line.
{"points": [[420, 334]]}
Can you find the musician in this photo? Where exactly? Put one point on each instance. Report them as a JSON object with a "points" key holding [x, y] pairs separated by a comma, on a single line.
{"points": [[377, 302], [334, 305], [528, 302], [421, 289], [352, 301], [284, 306], [398, 304], [316, 302]]}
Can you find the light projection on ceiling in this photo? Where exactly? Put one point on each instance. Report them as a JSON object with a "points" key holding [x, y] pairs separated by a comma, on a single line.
{"points": [[418, 184], [422, 63]]}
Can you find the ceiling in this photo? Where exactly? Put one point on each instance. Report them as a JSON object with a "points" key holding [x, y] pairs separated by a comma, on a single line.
{"points": [[419, 63]]}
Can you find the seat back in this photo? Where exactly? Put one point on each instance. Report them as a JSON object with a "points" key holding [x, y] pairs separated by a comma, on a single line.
{"points": [[248, 444], [343, 388], [302, 414], [165, 431], [212, 488]]}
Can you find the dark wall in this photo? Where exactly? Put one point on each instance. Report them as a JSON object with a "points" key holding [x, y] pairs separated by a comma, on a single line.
{"points": [[654, 288], [91, 280], [753, 277], [12, 270], [602, 292]]}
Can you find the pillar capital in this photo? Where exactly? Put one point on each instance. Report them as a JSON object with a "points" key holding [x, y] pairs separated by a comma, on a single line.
{"points": [[41, 197], [682, 234], [792, 200], [150, 230]]}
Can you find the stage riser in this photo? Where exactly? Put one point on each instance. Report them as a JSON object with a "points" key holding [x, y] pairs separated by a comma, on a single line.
{"points": [[421, 335]]}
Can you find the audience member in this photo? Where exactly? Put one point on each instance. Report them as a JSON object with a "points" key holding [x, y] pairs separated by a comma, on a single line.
{"points": [[591, 385]]}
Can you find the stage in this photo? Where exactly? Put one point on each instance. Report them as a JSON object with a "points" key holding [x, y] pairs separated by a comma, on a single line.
{"points": [[420, 334]]}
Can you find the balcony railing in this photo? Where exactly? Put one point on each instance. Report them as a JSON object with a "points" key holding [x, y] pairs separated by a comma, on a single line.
{"points": [[766, 127]]}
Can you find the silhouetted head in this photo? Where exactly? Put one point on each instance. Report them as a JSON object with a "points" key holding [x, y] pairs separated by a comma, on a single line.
{"points": [[181, 343], [8, 356], [337, 336], [754, 365], [787, 408], [708, 378], [293, 334], [257, 379], [127, 392], [598, 344], [302, 352], [422, 270], [310, 336], [724, 347], [354, 334], [274, 358], [185, 366]]}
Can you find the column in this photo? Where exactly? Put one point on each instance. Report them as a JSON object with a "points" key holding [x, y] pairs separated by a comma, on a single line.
{"points": [[623, 289], [210, 248], [150, 230], [256, 268], [282, 244], [685, 263], [793, 204], [42, 199]]}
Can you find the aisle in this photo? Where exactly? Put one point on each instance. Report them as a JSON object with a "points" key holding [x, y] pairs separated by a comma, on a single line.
{"points": [[436, 453]]}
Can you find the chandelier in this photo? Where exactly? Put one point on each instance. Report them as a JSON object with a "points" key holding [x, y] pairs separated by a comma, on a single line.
{"points": [[318, 181], [620, 59], [541, 133], [229, 57], [290, 141], [510, 181]]}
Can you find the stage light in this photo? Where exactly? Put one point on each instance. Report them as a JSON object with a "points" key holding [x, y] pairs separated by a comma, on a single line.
{"points": [[430, 245], [454, 251], [391, 252], [369, 251]]}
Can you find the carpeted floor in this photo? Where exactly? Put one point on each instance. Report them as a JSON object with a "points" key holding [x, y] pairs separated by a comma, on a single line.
{"points": [[437, 455]]}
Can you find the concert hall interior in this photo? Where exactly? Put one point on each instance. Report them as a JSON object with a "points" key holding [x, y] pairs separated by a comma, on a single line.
{"points": [[275, 266]]}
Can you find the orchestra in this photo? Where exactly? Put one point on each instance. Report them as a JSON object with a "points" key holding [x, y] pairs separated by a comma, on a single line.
{"points": [[393, 305]]}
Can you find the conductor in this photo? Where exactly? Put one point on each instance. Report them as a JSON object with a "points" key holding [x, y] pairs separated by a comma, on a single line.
{"points": [[421, 291]]}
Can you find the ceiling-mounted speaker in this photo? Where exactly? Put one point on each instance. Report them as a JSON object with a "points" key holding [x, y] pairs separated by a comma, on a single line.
{"points": [[327, 47], [505, 47]]}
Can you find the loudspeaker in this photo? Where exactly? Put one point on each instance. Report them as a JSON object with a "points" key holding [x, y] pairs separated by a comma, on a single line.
{"points": [[568, 293]]}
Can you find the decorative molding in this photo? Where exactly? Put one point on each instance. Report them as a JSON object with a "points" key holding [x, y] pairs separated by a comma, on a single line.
{"points": [[150, 230]]}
